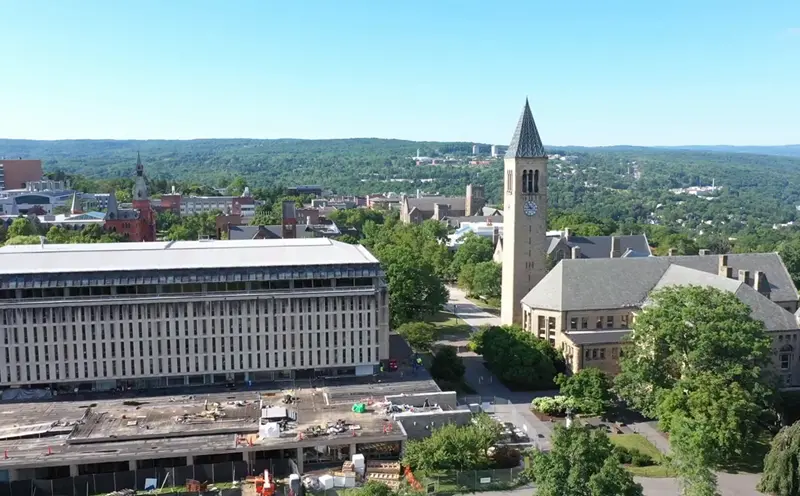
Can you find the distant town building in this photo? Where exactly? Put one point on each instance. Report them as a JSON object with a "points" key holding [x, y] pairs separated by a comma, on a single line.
{"points": [[295, 223], [15, 174], [305, 189], [36, 197], [476, 149], [139, 222], [386, 202], [498, 150], [416, 210]]}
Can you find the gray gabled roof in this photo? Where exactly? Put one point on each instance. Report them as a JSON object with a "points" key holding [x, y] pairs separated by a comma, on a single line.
{"points": [[526, 142], [426, 204], [608, 283], [635, 245]]}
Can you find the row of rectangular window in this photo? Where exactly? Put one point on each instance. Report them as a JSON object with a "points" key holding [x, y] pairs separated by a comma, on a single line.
{"points": [[609, 322], [198, 309], [112, 346], [600, 353], [295, 359]]}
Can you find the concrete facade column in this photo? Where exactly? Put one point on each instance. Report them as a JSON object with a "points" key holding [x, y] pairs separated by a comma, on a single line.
{"points": [[13, 474], [352, 450], [73, 471], [131, 465], [189, 460], [300, 460]]}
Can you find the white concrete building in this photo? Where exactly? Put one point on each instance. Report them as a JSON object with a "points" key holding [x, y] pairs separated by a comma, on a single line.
{"points": [[145, 315]]}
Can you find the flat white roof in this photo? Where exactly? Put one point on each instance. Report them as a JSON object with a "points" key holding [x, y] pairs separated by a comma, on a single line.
{"points": [[163, 255]]}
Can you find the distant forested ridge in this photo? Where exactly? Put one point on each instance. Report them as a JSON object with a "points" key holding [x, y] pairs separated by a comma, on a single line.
{"points": [[627, 185]]}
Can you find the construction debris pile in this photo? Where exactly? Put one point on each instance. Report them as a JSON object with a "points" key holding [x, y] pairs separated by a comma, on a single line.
{"points": [[357, 470], [341, 426], [391, 408]]}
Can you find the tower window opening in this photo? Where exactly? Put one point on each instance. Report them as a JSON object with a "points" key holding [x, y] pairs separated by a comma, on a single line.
{"points": [[524, 181], [536, 181]]}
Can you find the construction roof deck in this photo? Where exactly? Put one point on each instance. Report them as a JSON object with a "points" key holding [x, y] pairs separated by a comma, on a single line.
{"points": [[79, 432]]}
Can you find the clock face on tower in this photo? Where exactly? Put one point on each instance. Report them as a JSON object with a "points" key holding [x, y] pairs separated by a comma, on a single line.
{"points": [[529, 208]]}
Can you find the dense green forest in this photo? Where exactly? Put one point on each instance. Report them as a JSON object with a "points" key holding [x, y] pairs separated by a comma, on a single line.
{"points": [[626, 185]]}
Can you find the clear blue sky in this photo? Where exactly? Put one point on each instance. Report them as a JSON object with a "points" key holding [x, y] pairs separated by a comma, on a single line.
{"points": [[597, 72]]}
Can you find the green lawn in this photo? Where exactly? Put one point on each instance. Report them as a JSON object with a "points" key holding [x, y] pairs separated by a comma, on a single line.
{"points": [[492, 306], [640, 443], [449, 325]]}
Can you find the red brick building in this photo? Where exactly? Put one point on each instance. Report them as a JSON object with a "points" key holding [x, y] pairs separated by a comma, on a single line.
{"points": [[14, 174], [137, 223]]}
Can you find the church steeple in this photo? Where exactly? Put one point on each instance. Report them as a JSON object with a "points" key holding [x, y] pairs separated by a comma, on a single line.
{"points": [[139, 184], [139, 166], [76, 206], [526, 142]]}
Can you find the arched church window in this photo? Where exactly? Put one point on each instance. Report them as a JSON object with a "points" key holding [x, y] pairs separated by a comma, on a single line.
{"points": [[536, 181], [509, 182], [524, 181], [530, 182]]}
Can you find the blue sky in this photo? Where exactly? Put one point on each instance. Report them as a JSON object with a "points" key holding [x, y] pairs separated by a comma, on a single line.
{"points": [[597, 73]]}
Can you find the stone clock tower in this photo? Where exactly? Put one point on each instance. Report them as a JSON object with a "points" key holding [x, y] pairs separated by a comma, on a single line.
{"points": [[524, 217]]}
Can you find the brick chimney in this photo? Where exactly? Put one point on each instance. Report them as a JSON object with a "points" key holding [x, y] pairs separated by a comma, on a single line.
{"points": [[576, 252], [723, 269], [744, 276], [616, 251], [289, 220], [566, 233]]}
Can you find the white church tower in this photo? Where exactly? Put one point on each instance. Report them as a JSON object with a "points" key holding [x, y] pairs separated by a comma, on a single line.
{"points": [[524, 217]]}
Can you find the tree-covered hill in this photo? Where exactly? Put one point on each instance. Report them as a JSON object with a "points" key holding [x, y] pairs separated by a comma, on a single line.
{"points": [[629, 185]]}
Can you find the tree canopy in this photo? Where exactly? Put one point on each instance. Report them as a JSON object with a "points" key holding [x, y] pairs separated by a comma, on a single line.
{"points": [[589, 389], [454, 447], [698, 362], [518, 358], [581, 463], [419, 335], [781, 475], [413, 261]]}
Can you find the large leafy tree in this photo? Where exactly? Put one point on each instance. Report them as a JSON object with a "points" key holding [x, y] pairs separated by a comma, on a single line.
{"points": [[486, 279], [687, 330], [581, 463], [454, 447], [413, 261], [590, 390], [781, 475], [419, 335], [697, 361], [447, 365], [790, 254], [518, 358], [473, 250], [22, 226]]}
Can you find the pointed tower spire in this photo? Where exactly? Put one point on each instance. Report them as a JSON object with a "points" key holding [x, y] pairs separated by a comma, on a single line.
{"points": [[76, 207], [526, 142]]}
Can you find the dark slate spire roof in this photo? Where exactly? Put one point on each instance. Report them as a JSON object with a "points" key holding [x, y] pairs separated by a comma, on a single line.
{"points": [[526, 142]]}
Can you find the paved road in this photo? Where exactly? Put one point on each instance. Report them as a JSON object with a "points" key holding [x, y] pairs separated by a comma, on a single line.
{"points": [[485, 384], [727, 484]]}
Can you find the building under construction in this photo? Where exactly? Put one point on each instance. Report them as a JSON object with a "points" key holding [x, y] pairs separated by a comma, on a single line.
{"points": [[71, 439]]}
